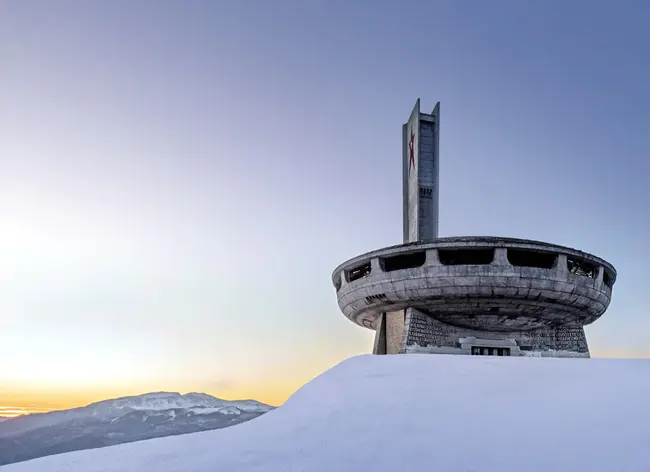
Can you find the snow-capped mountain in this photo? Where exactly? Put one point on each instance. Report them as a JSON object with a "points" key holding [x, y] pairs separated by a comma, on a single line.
{"points": [[119, 420]]}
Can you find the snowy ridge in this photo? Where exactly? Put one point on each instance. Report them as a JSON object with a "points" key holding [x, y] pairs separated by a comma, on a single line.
{"points": [[120, 420], [173, 400], [198, 403], [420, 412]]}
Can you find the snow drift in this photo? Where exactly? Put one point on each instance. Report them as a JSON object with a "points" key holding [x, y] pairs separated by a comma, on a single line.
{"points": [[420, 412]]}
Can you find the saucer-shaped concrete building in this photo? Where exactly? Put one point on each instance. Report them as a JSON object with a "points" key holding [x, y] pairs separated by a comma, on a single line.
{"points": [[468, 295]]}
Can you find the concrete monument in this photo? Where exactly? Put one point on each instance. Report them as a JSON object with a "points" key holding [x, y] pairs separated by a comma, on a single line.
{"points": [[468, 295]]}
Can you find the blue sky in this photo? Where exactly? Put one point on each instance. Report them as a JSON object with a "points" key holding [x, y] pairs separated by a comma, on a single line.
{"points": [[179, 179]]}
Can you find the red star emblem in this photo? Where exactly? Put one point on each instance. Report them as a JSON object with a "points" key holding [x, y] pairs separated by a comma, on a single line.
{"points": [[411, 150]]}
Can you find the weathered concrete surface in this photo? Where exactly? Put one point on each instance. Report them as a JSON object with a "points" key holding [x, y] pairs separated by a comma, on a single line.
{"points": [[420, 172], [379, 346], [427, 335], [394, 332], [496, 296], [442, 308], [423, 334]]}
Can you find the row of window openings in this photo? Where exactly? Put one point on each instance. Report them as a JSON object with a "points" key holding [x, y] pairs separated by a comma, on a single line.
{"points": [[516, 257], [490, 351]]}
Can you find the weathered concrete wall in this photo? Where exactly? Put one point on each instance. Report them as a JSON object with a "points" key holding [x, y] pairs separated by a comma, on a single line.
{"points": [[427, 335], [394, 331], [389, 335], [496, 296], [428, 176], [410, 176], [380, 336], [420, 138]]}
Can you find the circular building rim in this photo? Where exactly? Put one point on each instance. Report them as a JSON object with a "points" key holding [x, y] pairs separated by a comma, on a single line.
{"points": [[473, 242]]}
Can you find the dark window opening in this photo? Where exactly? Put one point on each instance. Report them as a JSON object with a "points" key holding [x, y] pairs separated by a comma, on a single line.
{"points": [[581, 267], [358, 272], [465, 256], [523, 258], [490, 351], [403, 261], [608, 278], [426, 192], [526, 348]]}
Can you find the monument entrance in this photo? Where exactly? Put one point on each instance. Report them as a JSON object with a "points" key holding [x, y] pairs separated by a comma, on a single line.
{"points": [[490, 351]]}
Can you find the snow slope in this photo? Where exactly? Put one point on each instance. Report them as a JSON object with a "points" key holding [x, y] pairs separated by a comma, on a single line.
{"points": [[420, 412]]}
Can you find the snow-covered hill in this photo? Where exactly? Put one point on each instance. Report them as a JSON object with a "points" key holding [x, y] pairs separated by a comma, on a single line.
{"points": [[420, 412], [119, 420]]}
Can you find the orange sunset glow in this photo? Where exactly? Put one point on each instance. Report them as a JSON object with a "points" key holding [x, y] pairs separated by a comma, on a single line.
{"points": [[273, 391]]}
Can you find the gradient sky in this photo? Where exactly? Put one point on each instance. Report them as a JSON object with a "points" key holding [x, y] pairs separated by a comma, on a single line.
{"points": [[178, 179]]}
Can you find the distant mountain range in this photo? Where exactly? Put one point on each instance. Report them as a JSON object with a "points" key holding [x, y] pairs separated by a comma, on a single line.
{"points": [[120, 420]]}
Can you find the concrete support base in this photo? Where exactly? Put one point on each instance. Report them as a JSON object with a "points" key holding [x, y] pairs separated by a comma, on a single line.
{"points": [[380, 336], [411, 331], [389, 336]]}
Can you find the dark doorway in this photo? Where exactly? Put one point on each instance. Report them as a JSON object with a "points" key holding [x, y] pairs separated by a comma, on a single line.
{"points": [[490, 351]]}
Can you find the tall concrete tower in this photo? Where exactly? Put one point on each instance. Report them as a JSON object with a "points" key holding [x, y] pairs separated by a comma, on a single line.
{"points": [[420, 140], [476, 295]]}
